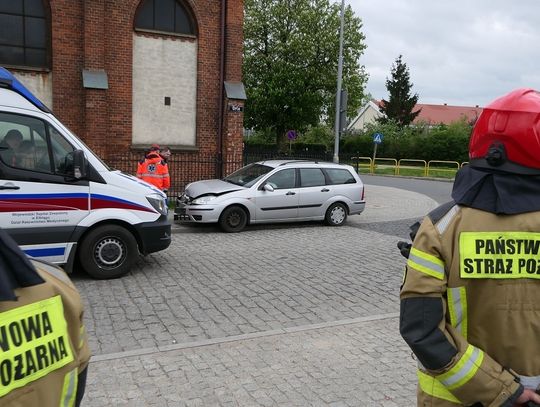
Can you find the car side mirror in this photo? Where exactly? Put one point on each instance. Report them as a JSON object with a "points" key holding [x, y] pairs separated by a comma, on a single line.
{"points": [[268, 187], [79, 164], [76, 164]]}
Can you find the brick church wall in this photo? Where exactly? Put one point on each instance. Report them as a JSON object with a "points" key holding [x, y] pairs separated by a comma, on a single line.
{"points": [[98, 35]]}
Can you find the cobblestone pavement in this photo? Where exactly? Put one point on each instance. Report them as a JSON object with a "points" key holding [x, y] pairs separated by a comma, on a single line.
{"points": [[294, 315]]}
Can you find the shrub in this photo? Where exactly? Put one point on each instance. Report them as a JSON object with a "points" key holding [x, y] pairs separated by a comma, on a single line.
{"points": [[445, 143]]}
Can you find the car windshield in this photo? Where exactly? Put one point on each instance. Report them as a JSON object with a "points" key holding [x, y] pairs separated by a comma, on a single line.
{"points": [[248, 175]]}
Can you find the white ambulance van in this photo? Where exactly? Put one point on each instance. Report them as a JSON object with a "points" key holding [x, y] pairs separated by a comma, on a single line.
{"points": [[61, 203]]}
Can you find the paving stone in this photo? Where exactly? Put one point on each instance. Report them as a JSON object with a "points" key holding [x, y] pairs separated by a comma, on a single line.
{"points": [[212, 285]]}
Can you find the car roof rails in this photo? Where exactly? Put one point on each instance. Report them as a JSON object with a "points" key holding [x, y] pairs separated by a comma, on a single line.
{"points": [[298, 161], [8, 81]]}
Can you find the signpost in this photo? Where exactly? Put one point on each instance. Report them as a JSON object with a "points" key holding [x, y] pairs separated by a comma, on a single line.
{"points": [[291, 135], [377, 139], [339, 80]]}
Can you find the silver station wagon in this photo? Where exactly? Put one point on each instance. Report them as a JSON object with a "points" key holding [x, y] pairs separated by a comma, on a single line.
{"points": [[274, 191]]}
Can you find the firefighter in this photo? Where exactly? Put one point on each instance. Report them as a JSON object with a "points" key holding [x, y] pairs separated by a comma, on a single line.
{"points": [[43, 348], [154, 170], [470, 299]]}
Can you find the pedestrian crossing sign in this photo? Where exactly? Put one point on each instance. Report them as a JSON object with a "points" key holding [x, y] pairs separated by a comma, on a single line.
{"points": [[377, 138]]}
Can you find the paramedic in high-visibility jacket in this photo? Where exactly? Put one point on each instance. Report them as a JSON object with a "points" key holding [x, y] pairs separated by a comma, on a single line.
{"points": [[44, 353], [154, 170], [470, 300]]}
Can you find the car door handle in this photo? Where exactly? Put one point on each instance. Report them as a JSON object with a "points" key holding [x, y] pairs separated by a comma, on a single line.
{"points": [[290, 193], [325, 190], [9, 187]]}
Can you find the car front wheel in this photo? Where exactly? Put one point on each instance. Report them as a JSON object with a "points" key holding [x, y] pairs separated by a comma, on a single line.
{"points": [[336, 214], [233, 219], [108, 252]]}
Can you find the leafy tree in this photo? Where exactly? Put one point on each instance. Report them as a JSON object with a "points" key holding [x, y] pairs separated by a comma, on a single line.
{"points": [[320, 134], [400, 103], [290, 63], [262, 136]]}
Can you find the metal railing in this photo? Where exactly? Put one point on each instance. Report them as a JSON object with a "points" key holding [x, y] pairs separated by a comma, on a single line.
{"points": [[394, 164], [412, 168], [183, 168], [362, 163], [442, 168]]}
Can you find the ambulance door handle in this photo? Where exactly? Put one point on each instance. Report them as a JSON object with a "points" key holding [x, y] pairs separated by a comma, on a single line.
{"points": [[7, 186]]}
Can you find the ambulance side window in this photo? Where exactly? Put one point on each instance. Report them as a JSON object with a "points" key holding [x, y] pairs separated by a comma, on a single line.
{"points": [[32, 145], [61, 150], [23, 143]]}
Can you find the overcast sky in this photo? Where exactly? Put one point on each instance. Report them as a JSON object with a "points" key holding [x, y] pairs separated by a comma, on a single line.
{"points": [[460, 52]]}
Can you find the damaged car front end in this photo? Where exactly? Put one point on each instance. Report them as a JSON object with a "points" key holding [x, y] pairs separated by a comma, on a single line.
{"points": [[204, 201], [198, 202]]}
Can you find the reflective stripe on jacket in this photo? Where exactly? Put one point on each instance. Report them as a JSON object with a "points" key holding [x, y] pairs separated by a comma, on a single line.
{"points": [[44, 350], [154, 171], [469, 307]]}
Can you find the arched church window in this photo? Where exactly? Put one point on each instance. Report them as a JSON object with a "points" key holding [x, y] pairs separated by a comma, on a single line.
{"points": [[170, 16]]}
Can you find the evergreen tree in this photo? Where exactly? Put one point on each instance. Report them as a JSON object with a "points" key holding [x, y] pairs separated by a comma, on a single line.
{"points": [[400, 104]]}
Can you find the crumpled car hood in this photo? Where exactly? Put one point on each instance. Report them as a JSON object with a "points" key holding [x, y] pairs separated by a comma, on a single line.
{"points": [[210, 186]]}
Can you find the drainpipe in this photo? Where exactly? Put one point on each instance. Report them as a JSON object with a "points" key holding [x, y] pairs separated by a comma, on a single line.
{"points": [[219, 169]]}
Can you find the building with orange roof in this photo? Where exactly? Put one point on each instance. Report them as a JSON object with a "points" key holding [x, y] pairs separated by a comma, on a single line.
{"points": [[445, 114], [430, 114]]}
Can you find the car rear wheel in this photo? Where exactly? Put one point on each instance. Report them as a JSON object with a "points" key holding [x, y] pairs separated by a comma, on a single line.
{"points": [[336, 214], [108, 252], [233, 219]]}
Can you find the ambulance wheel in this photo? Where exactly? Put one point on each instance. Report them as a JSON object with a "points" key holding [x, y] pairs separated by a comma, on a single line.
{"points": [[336, 215], [108, 252], [233, 219]]}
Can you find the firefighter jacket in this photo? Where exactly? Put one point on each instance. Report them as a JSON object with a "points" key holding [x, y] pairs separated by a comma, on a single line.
{"points": [[154, 171], [470, 307], [44, 352]]}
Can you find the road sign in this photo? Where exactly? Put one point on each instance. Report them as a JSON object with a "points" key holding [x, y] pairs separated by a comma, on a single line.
{"points": [[377, 138], [291, 134]]}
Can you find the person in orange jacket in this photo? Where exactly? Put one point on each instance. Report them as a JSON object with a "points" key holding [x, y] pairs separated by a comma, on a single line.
{"points": [[154, 170]]}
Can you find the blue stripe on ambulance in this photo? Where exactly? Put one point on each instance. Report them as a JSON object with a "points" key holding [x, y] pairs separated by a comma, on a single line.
{"points": [[43, 196], [46, 196], [107, 198], [53, 251]]}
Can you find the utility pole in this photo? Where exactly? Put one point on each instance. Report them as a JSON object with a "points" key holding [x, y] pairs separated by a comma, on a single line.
{"points": [[338, 92]]}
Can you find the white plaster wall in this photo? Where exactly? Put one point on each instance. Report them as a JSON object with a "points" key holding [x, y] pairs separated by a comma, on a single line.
{"points": [[39, 84], [164, 67], [369, 116]]}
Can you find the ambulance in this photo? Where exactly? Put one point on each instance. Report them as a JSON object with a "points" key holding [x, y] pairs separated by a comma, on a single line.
{"points": [[61, 203]]}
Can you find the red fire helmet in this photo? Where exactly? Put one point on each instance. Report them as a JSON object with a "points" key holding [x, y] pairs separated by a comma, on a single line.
{"points": [[506, 136]]}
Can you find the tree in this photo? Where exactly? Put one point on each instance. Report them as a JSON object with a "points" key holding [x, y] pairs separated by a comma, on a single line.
{"points": [[400, 104], [290, 63], [318, 135]]}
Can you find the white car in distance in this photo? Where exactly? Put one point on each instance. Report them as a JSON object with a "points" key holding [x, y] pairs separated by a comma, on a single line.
{"points": [[274, 191]]}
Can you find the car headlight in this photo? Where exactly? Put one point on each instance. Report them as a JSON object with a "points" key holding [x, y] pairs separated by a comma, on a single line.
{"points": [[158, 203], [204, 199]]}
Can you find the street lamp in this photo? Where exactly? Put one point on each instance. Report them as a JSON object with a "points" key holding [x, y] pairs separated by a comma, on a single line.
{"points": [[338, 92]]}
